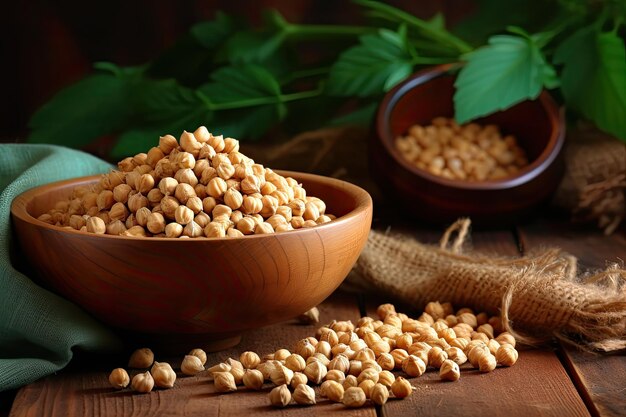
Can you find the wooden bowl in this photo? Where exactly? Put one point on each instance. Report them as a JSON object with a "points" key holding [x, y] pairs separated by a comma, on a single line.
{"points": [[538, 126], [195, 292]]}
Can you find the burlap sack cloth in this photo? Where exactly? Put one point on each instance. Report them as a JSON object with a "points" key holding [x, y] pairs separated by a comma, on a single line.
{"points": [[538, 296], [594, 184]]}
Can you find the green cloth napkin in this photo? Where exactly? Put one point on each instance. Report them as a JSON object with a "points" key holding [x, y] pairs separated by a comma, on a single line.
{"points": [[38, 329]]}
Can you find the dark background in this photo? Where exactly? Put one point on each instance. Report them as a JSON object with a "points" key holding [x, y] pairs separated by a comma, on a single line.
{"points": [[47, 45]]}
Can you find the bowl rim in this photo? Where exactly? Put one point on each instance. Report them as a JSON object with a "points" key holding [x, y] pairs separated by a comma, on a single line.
{"points": [[363, 199], [528, 173]]}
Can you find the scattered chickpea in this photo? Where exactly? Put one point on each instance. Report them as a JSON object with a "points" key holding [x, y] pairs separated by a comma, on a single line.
{"points": [[142, 383], [191, 365], [224, 382], [119, 378], [304, 395], [280, 396], [253, 379], [141, 358], [401, 388], [354, 397], [449, 371], [353, 363], [163, 375]]}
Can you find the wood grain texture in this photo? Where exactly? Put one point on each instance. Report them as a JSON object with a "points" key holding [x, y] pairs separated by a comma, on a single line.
{"points": [[600, 379], [88, 394], [536, 386], [215, 287]]}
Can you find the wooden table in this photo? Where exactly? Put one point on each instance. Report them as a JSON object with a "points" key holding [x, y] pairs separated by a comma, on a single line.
{"points": [[550, 381]]}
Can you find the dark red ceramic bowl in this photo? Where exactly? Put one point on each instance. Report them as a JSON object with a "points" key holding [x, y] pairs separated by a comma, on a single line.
{"points": [[538, 126]]}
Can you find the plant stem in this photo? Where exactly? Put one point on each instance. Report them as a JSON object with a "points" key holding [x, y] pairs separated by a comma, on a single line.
{"points": [[393, 14], [427, 60], [305, 73], [303, 32], [260, 101]]}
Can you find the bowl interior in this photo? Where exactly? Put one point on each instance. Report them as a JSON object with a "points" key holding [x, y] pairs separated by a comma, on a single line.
{"points": [[423, 98]]}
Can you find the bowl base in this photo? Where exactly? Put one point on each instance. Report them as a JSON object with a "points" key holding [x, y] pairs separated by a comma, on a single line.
{"points": [[180, 344]]}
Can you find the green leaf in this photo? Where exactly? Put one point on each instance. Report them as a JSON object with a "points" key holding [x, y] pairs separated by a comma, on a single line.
{"points": [[492, 16], [160, 107], [192, 57], [248, 98], [432, 30], [141, 137], [508, 70], [254, 47], [593, 79], [163, 100], [95, 106], [363, 116], [211, 34], [374, 66], [438, 21]]}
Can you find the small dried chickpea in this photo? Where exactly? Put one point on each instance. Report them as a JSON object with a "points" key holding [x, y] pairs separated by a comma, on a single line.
{"points": [[333, 390], [486, 362], [216, 187], [215, 229], [263, 228], [304, 395], [233, 198], [224, 381], [183, 215], [142, 382], [167, 143], [386, 378], [155, 223], [280, 396], [449, 371], [183, 192], [249, 359], [191, 365], [366, 386], [193, 229], [506, 337], [506, 355], [354, 397], [298, 378], [118, 378], [96, 225], [414, 366], [105, 200], [200, 354], [379, 394], [401, 388], [436, 357], [253, 379], [141, 358], [163, 375], [173, 230]]}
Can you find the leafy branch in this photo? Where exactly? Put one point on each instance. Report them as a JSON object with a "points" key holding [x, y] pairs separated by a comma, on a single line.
{"points": [[241, 80]]}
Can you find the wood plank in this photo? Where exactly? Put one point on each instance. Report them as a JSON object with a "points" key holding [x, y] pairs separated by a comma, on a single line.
{"points": [[600, 379], [87, 392], [537, 385]]}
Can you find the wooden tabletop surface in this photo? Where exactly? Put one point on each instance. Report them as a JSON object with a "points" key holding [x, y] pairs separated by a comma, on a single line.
{"points": [[553, 380]]}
